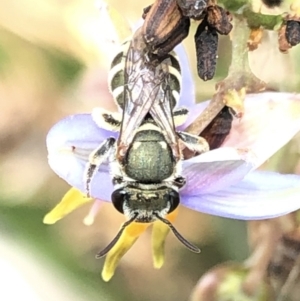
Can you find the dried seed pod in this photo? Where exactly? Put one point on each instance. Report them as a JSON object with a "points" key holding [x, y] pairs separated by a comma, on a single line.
{"points": [[192, 8], [220, 19], [292, 32], [162, 19], [218, 129], [146, 11], [284, 45], [206, 40], [179, 34]]}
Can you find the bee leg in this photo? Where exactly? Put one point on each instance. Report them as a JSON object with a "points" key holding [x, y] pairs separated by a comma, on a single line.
{"points": [[96, 158], [110, 121], [180, 116], [193, 142]]}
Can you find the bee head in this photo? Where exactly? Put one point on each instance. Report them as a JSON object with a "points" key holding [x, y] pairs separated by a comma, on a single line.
{"points": [[141, 204], [145, 204]]}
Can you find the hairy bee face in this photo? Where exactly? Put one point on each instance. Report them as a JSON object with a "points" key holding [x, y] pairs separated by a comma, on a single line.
{"points": [[146, 204]]}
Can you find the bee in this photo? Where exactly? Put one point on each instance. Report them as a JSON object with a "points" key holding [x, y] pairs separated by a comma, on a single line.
{"points": [[145, 160]]}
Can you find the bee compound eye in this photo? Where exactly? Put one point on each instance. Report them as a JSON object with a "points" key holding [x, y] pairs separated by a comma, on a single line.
{"points": [[174, 199], [118, 197]]}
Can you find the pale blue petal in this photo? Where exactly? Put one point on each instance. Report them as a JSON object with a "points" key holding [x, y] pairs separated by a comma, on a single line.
{"points": [[270, 121], [69, 144], [215, 170], [77, 129], [187, 95], [194, 111], [260, 195]]}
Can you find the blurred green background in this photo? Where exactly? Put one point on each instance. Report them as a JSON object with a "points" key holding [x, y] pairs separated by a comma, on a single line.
{"points": [[52, 64]]}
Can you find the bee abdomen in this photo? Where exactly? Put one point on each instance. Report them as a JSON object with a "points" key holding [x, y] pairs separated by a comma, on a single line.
{"points": [[116, 78]]}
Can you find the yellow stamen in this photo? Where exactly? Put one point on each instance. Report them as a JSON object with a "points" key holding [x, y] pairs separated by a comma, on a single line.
{"points": [[235, 100], [71, 200], [127, 239], [159, 234]]}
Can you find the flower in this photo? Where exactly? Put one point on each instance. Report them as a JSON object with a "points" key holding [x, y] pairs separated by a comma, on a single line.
{"points": [[221, 182]]}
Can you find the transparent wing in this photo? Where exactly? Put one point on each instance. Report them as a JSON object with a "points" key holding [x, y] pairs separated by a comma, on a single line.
{"points": [[146, 90], [162, 113], [140, 90]]}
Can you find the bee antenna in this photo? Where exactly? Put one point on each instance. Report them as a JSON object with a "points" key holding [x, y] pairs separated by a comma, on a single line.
{"points": [[186, 243], [115, 240]]}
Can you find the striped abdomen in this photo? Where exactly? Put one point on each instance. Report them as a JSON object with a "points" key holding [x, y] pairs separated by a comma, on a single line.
{"points": [[117, 75]]}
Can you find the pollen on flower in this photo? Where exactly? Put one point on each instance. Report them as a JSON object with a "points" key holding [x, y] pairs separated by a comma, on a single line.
{"points": [[235, 100]]}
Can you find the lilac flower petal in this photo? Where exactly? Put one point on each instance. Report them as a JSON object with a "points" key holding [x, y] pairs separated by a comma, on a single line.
{"points": [[194, 111], [215, 170], [77, 129], [270, 121], [187, 95], [69, 144], [260, 195]]}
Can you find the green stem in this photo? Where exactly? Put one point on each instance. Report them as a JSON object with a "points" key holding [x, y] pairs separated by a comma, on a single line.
{"points": [[257, 20], [240, 74], [233, 5], [254, 19], [240, 36]]}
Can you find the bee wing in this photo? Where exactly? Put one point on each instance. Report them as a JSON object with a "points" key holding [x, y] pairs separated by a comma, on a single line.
{"points": [[146, 90], [162, 113], [140, 89]]}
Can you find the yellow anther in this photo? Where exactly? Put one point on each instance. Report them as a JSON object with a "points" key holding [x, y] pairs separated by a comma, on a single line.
{"points": [[71, 200], [127, 239], [159, 234]]}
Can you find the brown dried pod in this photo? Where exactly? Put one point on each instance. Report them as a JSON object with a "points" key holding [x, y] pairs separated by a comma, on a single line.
{"points": [[292, 32], [146, 11], [284, 45], [179, 34], [192, 8], [164, 25], [218, 129], [206, 40], [220, 19]]}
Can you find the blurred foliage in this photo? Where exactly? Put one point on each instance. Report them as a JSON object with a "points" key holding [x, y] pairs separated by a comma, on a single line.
{"points": [[65, 68]]}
